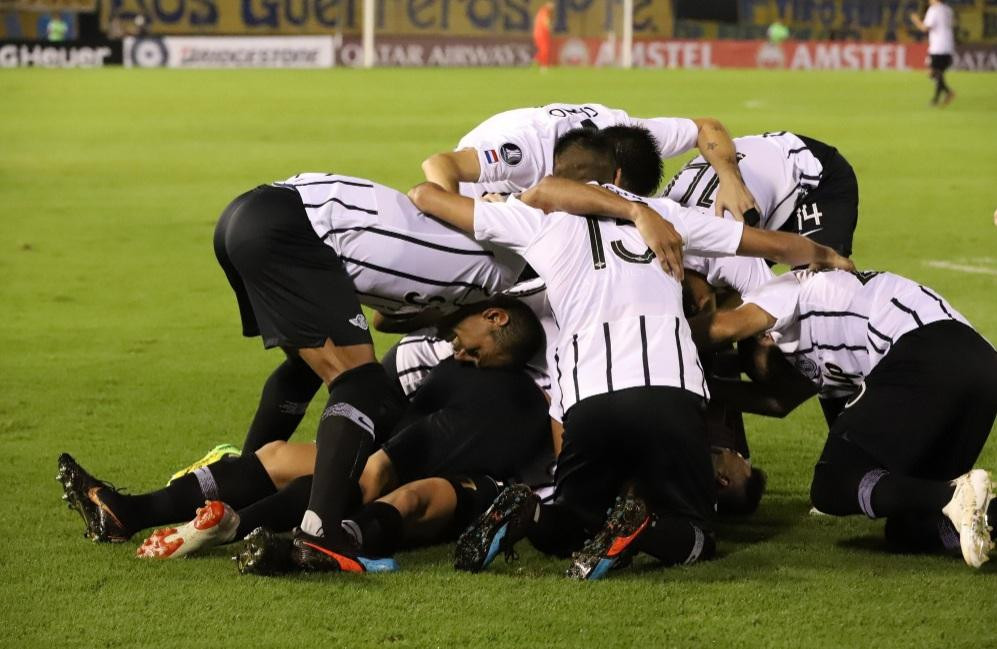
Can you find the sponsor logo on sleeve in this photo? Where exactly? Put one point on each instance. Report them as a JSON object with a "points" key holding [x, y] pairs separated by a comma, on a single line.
{"points": [[512, 154]]}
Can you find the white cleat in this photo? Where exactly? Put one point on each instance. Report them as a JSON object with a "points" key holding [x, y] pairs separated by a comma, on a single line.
{"points": [[968, 512], [214, 524]]}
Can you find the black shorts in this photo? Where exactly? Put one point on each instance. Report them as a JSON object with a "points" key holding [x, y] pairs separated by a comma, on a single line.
{"points": [[475, 494], [941, 62], [829, 213], [465, 420], [292, 289], [652, 436], [927, 408]]}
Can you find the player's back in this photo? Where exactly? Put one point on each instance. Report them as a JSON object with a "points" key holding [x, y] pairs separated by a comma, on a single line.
{"points": [[776, 167], [400, 260]]}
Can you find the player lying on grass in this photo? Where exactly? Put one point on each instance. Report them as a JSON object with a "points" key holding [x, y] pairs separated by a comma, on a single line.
{"points": [[625, 363], [240, 481], [916, 393], [512, 151]]}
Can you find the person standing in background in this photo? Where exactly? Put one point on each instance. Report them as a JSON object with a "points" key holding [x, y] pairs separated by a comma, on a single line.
{"points": [[56, 29], [541, 34], [939, 23]]}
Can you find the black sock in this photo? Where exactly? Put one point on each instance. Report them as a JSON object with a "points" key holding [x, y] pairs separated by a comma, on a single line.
{"points": [[843, 490], [676, 540], [378, 529], [279, 512], [557, 531], [285, 397], [932, 533], [363, 406], [237, 481]]}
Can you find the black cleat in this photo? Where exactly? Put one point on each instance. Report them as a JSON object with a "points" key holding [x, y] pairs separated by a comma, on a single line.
{"points": [[612, 547], [264, 553], [324, 554], [86, 495], [502, 525]]}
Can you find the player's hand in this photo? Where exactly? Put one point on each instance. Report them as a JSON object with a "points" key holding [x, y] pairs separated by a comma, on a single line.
{"points": [[828, 258], [662, 238], [734, 197]]}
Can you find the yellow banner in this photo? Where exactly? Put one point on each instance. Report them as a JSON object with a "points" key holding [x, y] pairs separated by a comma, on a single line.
{"points": [[48, 5], [505, 18]]}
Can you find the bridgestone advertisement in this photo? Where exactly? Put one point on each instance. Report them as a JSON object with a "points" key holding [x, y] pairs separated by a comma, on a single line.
{"points": [[44, 54], [230, 52]]}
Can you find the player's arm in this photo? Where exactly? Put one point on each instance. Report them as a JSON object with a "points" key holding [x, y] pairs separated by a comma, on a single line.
{"points": [[562, 195], [790, 249], [447, 206], [918, 23], [776, 399], [717, 328], [449, 168], [718, 149], [403, 324]]}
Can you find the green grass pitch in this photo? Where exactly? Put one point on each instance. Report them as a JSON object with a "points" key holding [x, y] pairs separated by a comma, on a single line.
{"points": [[119, 342]]}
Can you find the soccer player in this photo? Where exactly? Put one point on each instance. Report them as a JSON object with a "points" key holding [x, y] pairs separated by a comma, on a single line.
{"points": [[939, 23], [916, 388], [462, 419], [801, 185], [510, 152], [630, 382]]}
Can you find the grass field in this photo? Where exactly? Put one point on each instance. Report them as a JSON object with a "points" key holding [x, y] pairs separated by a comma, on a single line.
{"points": [[119, 342]]}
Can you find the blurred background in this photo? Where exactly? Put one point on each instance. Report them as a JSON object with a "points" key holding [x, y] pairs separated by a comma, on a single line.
{"points": [[794, 34]]}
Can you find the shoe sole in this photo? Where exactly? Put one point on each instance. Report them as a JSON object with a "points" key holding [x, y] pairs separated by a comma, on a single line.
{"points": [[478, 546], [264, 553], [207, 530], [609, 547]]}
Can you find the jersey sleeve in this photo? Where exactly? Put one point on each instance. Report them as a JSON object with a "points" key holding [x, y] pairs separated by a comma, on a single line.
{"points": [[780, 298], [930, 17], [674, 135], [706, 234], [512, 224], [514, 157]]}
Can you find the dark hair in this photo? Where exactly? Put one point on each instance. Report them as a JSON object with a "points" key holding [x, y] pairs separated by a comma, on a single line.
{"points": [[637, 157], [585, 136], [744, 501], [521, 337], [583, 154]]}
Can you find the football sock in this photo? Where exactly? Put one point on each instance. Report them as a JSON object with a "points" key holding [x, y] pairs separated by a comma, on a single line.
{"points": [[896, 494], [843, 490], [279, 512], [285, 397], [557, 530], [922, 533], [676, 540], [362, 409], [237, 481], [378, 529]]}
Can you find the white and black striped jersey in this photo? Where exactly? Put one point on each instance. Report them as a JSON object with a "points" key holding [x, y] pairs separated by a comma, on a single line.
{"points": [[778, 169], [619, 316], [516, 148], [418, 353], [400, 260], [835, 326]]}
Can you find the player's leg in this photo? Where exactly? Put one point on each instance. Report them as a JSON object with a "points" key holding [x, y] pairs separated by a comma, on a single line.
{"points": [[901, 448]]}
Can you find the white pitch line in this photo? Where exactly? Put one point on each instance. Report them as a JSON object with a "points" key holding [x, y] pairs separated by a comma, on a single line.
{"points": [[962, 268]]}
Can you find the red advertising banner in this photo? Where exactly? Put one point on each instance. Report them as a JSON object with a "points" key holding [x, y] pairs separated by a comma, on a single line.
{"points": [[792, 55]]}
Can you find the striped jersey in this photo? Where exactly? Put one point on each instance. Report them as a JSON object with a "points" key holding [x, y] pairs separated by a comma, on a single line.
{"points": [[835, 326], [619, 316], [778, 169], [516, 148], [740, 274], [418, 353], [400, 260]]}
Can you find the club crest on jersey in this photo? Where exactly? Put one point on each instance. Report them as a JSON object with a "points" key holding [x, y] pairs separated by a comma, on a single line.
{"points": [[806, 367], [491, 156], [512, 154], [359, 321]]}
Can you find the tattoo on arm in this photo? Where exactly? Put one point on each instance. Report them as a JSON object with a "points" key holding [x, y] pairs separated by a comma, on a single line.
{"points": [[711, 146]]}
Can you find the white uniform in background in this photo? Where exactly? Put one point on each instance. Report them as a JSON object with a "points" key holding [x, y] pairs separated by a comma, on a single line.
{"points": [[940, 21], [516, 148]]}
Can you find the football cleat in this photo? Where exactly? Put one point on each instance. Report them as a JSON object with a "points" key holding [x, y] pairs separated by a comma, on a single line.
{"points": [[215, 524], [613, 545], [968, 512], [323, 554], [502, 525], [87, 496], [212, 456], [264, 553]]}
